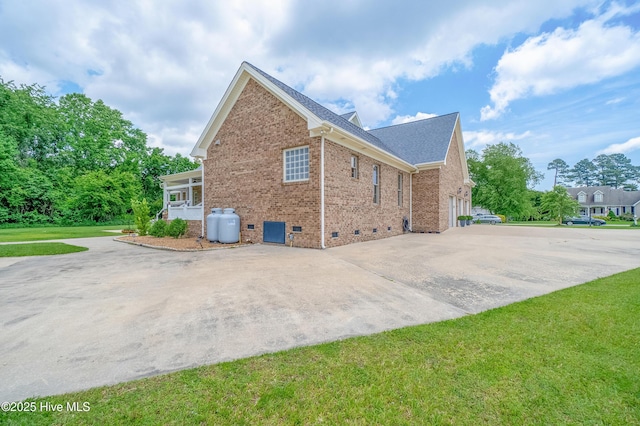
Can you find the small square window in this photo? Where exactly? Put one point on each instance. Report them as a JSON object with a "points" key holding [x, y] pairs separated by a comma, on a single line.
{"points": [[356, 232], [375, 230], [388, 228], [297, 229], [296, 164], [251, 226], [334, 235]]}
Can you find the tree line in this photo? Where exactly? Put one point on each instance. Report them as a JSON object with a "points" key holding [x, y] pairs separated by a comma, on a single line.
{"points": [[73, 160], [613, 170], [505, 180]]}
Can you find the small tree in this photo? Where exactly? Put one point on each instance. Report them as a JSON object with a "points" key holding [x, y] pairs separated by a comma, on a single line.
{"points": [[141, 215], [558, 203]]}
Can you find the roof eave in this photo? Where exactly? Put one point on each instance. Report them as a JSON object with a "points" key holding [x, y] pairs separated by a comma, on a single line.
{"points": [[349, 140]]}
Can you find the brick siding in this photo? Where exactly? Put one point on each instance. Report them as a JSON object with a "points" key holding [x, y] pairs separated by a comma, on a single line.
{"points": [[245, 171], [349, 202], [431, 192]]}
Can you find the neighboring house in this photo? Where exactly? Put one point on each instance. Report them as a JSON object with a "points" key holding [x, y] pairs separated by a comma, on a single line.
{"points": [[600, 200], [288, 165]]}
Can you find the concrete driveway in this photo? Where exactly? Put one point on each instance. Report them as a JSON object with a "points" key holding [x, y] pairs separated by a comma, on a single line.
{"points": [[119, 312]]}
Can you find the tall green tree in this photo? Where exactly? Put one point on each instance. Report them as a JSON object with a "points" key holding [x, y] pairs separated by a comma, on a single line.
{"points": [[98, 137], [583, 173], [559, 204], [503, 177], [561, 169], [99, 196]]}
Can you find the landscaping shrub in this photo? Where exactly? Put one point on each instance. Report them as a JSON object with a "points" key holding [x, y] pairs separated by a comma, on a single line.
{"points": [[502, 217], [177, 228], [626, 216], [600, 217], [141, 215], [159, 229], [611, 214]]}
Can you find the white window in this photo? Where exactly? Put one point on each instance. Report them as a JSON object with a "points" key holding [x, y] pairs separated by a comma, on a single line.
{"points": [[376, 184], [354, 166], [598, 197], [296, 164], [582, 197], [400, 189]]}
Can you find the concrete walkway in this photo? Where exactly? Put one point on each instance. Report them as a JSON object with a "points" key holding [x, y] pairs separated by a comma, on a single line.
{"points": [[119, 312]]}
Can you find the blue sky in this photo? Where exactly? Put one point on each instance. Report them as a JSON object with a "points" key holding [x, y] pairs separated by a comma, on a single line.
{"points": [[559, 78]]}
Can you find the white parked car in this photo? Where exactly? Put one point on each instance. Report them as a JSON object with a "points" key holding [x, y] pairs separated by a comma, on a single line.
{"points": [[488, 218]]}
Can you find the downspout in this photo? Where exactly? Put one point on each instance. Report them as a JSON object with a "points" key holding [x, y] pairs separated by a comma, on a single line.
{"points": [[410, 200], [322, 191], [202, 197]]}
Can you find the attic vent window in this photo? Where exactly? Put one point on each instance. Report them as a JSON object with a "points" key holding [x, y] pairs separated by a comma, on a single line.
{"points": [[356, 232], [296, 164], [334, 235], [375, 230], [297, 229], [251, 226]]}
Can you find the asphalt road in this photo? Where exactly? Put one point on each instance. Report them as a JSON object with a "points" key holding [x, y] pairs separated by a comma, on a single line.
{"points": [[119, 312]]}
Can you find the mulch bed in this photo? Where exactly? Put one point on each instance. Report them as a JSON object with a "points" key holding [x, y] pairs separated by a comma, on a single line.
{"points": [[177, 244]]}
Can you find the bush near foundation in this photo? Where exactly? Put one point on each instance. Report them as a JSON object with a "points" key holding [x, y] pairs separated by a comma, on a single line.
{"points": [[502, 217], [177, 228], [159, 229]]}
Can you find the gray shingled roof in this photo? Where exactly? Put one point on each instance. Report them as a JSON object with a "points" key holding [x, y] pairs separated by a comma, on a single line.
{"points": [[347, 115], [422, 141], [610, 196], [417, 142]]}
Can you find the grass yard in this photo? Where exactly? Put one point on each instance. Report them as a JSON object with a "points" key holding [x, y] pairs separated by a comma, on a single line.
{"points": [[570, 357], [38, 249], [11, 235]]}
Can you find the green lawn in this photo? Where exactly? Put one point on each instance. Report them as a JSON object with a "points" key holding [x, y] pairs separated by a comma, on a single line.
{"points": [[570, 357], [10, 235], [38, 249]]}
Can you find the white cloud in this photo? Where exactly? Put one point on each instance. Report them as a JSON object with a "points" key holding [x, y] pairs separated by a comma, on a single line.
{"points": [[166, 65], [614, 101], [401, 119], [622, 148], [480, 139], [564, 59]]}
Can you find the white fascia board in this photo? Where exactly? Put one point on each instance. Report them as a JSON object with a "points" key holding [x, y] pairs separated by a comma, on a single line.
{"points": [[348, 140], [229, 99], [222, 110], [463, 154], [431, 165], [457, 131], [196, 173]]}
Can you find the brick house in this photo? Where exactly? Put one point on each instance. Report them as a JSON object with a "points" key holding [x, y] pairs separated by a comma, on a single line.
{"points": [[290, 165]]}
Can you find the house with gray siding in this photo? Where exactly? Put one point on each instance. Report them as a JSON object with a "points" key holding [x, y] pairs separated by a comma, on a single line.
{"points": [[600, 200]]}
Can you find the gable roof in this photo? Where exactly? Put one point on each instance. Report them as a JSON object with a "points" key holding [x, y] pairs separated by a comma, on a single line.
{"points": [[325, 113], [406, 146], [352, 117], [422, 141], [611, 196]]}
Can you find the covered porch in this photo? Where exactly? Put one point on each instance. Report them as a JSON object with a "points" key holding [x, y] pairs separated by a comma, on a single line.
{"points": [[182, 195]]}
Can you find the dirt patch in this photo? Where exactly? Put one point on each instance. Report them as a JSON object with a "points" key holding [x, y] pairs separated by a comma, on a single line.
{"points": [[179, 244]]}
